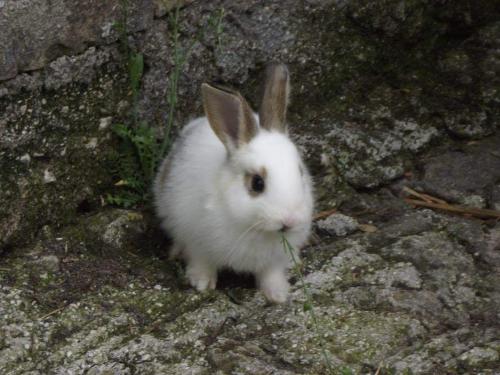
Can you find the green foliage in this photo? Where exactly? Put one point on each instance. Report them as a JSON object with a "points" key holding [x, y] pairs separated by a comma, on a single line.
{"points": [[180, 57], [140, 152], [135, 70], [125, 199], [346, 371], [138, 149], [215, 23]]}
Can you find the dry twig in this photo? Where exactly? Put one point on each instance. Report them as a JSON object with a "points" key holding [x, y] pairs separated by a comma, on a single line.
{"points": [[324, 214], [52, 312], [426, 200], [423, 196]]}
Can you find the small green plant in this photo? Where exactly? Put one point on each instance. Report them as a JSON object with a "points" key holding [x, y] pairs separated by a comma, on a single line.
{"points": [[137, 155], [137, 151], [179, 59], [140, 152], [346, 371], [308, 305]]}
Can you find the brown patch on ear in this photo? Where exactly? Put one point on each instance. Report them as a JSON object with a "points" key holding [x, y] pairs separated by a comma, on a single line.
{"points": [[229, 115], [272, 113], [250, 128]]}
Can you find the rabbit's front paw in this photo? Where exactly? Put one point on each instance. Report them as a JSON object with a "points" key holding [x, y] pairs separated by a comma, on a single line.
{"points": [[274, 285], [201, 276]]}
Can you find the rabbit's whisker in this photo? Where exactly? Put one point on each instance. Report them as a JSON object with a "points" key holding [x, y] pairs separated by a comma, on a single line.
{"points": [[240, 238]]}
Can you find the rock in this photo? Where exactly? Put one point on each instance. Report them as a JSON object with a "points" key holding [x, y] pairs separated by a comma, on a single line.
{"points": [[495, 197], [26, 158], [48, 177], [48, 263], [473, 200], [469, 125], [478, 357], [53, 127], [88, 289], [489, 249], [472, 235], [162, 7], [338, 224], [464, 177], [81, 68], [72, 79], [54, 29], [402, 275], [104, 122], [110, 230], [406, 299], [368, 157], [422, 361], [125, 226], [429, 251]]}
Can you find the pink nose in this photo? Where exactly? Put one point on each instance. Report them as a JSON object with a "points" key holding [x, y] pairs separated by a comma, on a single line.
{"points": [[288, 223]]}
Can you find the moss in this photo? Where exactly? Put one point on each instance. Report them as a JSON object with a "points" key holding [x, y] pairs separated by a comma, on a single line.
{"points": [[440, 80], [60, 133], [360, 336], [371, 36]]}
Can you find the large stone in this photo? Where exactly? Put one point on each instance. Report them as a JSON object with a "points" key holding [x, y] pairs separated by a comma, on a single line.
{"points": [[87, 289], [466, 176], [338, 225], [54, 158], [372, 153], [35, 32], [416, 302]]}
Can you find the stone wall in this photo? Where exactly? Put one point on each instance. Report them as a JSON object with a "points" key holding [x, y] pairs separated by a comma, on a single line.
{"points": [[380, 81], [386, 94]]}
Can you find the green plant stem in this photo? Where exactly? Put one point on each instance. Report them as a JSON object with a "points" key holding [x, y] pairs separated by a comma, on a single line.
{"points": [[308, 306], [180, 58], [141, 152]]}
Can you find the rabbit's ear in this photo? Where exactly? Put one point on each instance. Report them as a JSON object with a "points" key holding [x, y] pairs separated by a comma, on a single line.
{"points": [[229, 115], [272, 114]]}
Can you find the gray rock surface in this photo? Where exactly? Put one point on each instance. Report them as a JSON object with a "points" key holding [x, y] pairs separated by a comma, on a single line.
{"points": [[338, 224], [375, 107], [88, 289], [410, 297], [465, 177], [35, 32]]}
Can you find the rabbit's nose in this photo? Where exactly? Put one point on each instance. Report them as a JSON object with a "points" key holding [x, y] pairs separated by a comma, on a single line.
{"points": [[284, 228], [288, 224]]}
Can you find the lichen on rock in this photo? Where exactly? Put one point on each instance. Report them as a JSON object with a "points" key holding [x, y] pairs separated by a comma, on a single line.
{"points": [[384, 95]]}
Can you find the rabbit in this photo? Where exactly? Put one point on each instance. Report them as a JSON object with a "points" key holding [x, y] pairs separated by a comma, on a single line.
{"points": [[233, 185]]}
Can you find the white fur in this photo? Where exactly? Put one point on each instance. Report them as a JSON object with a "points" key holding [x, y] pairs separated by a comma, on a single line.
{"points": [[205, 206]]}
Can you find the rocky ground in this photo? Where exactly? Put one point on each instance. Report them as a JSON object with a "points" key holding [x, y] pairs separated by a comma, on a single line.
{"points": [[87, 288], [394, 288]]}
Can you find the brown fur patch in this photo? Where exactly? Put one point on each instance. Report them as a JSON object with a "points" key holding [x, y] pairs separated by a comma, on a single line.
{"points": [[229, 115], [262, 172], [272, 113]]}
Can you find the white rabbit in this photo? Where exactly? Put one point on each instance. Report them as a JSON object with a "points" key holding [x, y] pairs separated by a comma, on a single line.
{"points": [[233, 185]]}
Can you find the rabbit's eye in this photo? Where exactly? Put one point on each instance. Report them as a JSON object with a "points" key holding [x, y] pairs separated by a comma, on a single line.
{"points": [[258, 184], [255, 182]]}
